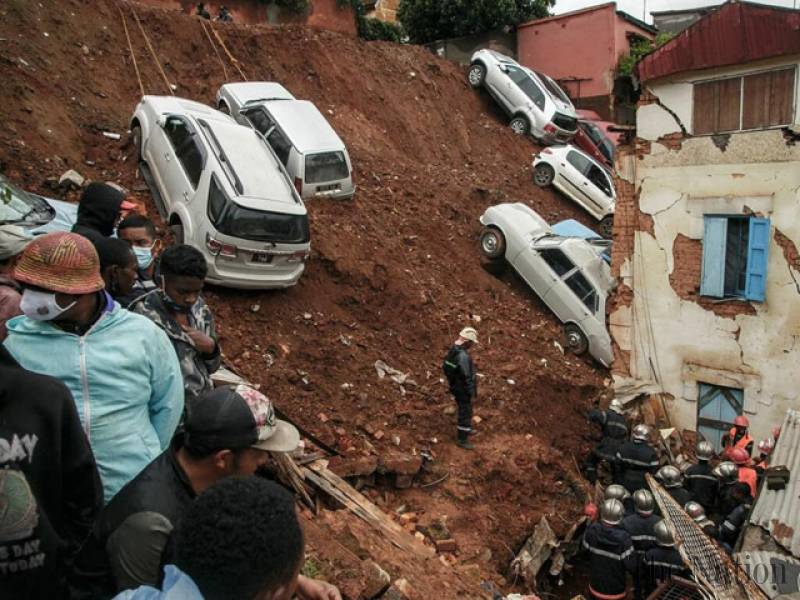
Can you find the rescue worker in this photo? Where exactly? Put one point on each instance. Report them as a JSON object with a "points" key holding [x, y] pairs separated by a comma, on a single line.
{"points": [[738, 437], [460, 372], [671, 479], [662, 561], [618, 492], [614, 426], [640, 526], [747, 473], [696, 511], [699, 478], [635, 458], [611, 554], [202, 12], [728, 474], [736, 519], [765, 448]]}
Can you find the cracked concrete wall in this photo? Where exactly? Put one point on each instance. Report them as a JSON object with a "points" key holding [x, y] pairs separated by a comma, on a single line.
{"points": [[672, 334]]}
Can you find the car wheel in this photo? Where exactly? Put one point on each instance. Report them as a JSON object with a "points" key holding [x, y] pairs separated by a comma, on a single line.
{"points": [[223, 108], [607, 226], [519, 125], [177, 232], [136, 138], [476, 74], [576, 341], [543, 175], [493, 243]]}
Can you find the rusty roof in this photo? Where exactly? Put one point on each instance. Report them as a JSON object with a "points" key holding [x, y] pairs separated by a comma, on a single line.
{"points": [[778, 511], [736, 33]]}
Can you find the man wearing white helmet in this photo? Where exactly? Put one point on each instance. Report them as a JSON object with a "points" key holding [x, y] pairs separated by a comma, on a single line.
{"points": [[460, 372], [635, 458], [611, 553], [614, 426]]}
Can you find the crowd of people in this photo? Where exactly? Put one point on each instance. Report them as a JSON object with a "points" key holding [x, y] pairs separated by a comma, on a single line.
{"points": [[124, 469], [626, 539]]}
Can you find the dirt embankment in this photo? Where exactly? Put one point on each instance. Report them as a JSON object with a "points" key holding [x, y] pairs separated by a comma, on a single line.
{"points": [[394, 273]]}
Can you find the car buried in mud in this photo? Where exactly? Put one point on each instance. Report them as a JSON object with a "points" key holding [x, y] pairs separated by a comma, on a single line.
{"points": [[222, 190], [568, 273], [35, 214]]}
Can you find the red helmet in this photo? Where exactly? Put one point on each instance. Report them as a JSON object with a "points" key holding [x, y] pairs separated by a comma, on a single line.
{"points": [[740, 456], [741, 421]]}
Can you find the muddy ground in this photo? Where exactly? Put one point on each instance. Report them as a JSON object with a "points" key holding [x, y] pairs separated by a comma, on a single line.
{"points": [[394, 273]]}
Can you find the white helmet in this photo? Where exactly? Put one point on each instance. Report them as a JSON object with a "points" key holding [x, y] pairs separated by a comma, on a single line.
{"points": [[669, 476], [616, 406], [612, 511], [616, 491], [641, 432], [469, 333], [663, 534], [704, 450]]}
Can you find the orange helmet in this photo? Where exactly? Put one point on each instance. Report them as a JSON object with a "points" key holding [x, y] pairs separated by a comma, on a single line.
{"points": [[741, 421], [740, 456]]}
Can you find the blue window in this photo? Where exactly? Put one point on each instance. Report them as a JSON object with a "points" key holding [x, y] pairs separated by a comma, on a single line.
{"points": [[735, 252], [717, 407]]}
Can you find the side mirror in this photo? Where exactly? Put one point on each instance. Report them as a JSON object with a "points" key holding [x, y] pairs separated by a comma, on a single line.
{"points": [[162, 121]]}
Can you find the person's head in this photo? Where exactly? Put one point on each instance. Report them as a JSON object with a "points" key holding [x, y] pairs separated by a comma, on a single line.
{"points": [[183, 272], [102, 206], [231, 430], [611, 511], [663, 534], [117, 265], [641, 433], [616, 406], [241, 539], [695, 510], [726, 471], [468, 337], [705, 451], [643, 502], [13, 241], [669, 476], [61, 274], [140, 233], [765, 447], [616, 491], [740, 457], [741, 423]]}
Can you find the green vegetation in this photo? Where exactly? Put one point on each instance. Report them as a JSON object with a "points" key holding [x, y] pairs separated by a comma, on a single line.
{"points": [[639, 50], [373, 29]]}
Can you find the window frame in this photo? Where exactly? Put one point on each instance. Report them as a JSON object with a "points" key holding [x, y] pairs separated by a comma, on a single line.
{"points": [[277, 131], [559, 275]]}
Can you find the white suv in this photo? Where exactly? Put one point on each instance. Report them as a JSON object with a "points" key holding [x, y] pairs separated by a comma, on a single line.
{"points": [[222, 190], [535, 103]]}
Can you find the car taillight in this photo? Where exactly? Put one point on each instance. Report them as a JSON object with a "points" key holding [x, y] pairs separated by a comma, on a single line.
{"points": [[298, 256], [220, 248], [550, 128], [298, 185]]}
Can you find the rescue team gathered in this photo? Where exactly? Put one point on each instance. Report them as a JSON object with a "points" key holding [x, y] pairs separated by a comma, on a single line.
{"points": [[127, 473]]}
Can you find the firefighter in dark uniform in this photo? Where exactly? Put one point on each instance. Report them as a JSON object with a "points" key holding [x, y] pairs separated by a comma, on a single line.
{"points": [[700, 480], [611, 554], [618, 492], [671, 478], [728, 475], [614, 426], [737, 518], [641, 527], [460, 372], [696, 511], [663, 560], [635, 458]]}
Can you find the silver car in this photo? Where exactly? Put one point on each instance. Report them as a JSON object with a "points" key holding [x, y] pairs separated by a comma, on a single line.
{"points": [[567, 273], [534, 102]]}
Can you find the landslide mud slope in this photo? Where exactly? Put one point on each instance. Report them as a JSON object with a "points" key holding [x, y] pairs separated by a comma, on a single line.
{"points": [[394, 273]]}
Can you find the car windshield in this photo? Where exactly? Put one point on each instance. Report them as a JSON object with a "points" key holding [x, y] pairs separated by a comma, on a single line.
{"points": [[593, 131], [22, 208], [258, 225], [326, 166], [553, 88]]}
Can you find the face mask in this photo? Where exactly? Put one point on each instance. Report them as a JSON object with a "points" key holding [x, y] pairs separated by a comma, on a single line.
{"points": [[170, 303], [41, 306], [144, 256]]}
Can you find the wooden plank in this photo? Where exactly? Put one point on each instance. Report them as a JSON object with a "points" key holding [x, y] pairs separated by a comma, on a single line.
{"points": [[319, 475]]}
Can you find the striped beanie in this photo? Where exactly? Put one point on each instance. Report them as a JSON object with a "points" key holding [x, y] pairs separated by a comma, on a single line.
{"points": [[60, 262]]}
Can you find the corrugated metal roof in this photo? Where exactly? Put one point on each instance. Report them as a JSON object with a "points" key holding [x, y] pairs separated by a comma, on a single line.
{"points": [[737, 33], [778, 511], [775, 573]]}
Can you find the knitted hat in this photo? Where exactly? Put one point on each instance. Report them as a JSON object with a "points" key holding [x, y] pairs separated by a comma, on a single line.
{"points": [[60, 262]]}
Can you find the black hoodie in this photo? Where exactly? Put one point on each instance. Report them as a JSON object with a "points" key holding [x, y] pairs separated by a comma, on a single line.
{"points": [[98, 211], [50, 492]]}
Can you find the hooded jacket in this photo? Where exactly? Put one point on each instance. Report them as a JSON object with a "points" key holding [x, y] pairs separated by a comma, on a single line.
{"points": [[460, 372], [177, 586], [125, 380], [49, 485], [98, 211], [611, 557]]}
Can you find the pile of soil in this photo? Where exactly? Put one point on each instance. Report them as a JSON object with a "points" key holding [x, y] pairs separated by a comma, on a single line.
{"points": [[394, 274]]}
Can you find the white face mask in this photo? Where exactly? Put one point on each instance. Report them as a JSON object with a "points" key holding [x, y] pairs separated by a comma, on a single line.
{"points": [[41, 306]]}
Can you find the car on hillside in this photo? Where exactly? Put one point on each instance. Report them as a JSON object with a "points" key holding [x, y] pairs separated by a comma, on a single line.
{"points": [[591, 139], [34, 213], [312, 152], [567, 273], [534, 102], [221, 189], [580, 178]]}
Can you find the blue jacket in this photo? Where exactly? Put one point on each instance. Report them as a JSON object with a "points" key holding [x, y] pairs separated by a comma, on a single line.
{"points": [[177, 586], [125, 379]]}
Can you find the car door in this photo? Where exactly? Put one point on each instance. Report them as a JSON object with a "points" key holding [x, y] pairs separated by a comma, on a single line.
{"points": [[280, 144], [542, 265], [600, 189], [182, 161], [573, 179], [161, 156], [574, 298], [514, 90], [259, 120]]}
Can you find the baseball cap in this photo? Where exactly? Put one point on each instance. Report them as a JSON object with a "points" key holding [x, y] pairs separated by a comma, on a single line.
{"points": [[13, 240], [60, 262], [237, 417]]}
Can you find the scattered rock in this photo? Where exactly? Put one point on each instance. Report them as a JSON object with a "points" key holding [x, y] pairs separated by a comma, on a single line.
{"points": [[111, 135], [446, 546], [323, 418], [377, 580], [354, 466], [403, 482], [255, 308], [71, 179], [307, 316], [399, 463], [450, 411], [378, 435]]}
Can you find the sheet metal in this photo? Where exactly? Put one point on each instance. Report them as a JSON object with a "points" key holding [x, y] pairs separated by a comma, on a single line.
{"points": [[775, 573], [739, 32], [778, 511]]}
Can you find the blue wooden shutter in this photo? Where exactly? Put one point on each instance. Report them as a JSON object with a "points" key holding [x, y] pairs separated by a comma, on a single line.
{"points": [[712, 281], [757, 255]]}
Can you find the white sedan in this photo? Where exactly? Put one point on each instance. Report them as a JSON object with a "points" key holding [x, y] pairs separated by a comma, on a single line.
{"points": [[580, 178], [568, 273]]}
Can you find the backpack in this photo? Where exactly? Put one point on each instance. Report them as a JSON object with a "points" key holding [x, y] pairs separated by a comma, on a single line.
{"points": [[450, 365]]}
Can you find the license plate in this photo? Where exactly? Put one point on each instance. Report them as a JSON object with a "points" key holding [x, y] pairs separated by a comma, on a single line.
{"points": [[262, 257], [328, 188]]}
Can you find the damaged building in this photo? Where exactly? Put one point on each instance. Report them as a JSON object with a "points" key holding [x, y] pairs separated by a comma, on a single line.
{"points": [[707, 224]]}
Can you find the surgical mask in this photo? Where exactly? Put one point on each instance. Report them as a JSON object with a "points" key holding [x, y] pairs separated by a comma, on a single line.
{"points": [[144, 256], [170, 303], [41, 306]]}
